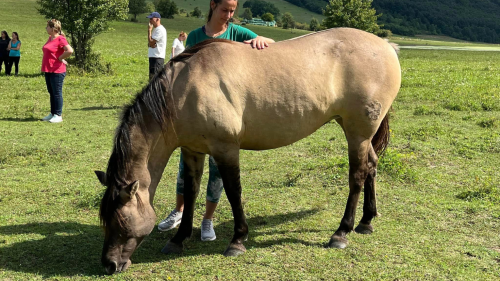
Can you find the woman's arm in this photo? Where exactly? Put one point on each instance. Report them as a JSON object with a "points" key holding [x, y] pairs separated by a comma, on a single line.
{"points": [[18, 47], [8, 46], [67, 53], [260, 42]]}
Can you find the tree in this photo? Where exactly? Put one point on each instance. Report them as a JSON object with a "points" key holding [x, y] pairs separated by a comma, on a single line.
{"points": [[351, 13], [196, 12], [166, 8], [136, 7], [287, 21], [247, 14], [150, 7], [260, 7], [267, 17], [314, 25], [83, 20]]}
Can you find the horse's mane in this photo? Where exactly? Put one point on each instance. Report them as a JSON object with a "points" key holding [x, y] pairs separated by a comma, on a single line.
{"points": [[155, 99]]}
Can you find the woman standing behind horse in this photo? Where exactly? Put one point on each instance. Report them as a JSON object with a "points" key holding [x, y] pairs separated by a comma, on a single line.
{"points": [[217, 26], [55, 51], [178, 45]]}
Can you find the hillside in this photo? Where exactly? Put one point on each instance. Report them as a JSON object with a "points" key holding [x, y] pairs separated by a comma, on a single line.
{"points": [[471, 20], [300, 14]]}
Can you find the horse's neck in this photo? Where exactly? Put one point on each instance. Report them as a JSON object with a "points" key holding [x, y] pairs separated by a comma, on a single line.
{"points": [[151, 150]]}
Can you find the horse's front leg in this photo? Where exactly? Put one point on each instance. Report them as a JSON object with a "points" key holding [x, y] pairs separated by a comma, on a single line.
{"points": [[192, 172], [358, 171], [229, 168]]}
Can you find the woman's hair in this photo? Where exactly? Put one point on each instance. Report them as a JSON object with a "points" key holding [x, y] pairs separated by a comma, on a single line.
{"points": [[217, 2], [6, 35], [55, 25], [182, 34], [17, 36]]}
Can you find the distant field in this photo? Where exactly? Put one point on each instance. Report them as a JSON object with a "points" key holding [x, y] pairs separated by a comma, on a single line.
{"points": [[299, 14], [437, 184]]}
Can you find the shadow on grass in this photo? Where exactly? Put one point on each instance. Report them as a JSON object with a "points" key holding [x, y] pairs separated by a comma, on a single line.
{"points": [[28, 119], [91, 108], [24, 75], [67, 249]]}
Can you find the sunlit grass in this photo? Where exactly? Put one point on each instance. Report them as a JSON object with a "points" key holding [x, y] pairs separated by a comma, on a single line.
{"points": [[437, 182]]}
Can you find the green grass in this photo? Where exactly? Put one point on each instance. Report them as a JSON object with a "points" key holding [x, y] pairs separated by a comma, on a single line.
{"points": [[437, 183], [299, 14]]}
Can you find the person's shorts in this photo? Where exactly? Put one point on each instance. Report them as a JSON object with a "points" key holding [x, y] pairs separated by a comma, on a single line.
{"points": [[155, 65]]}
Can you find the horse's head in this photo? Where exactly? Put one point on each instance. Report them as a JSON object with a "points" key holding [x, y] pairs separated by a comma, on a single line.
{"points": [[126, 220]]}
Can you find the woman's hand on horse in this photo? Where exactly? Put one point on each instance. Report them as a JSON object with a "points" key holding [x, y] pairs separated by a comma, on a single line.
{"points": [[260, 42]]}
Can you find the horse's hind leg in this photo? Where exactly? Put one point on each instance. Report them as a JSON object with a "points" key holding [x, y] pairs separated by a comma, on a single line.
{"points": [[193, 170], [229, 168], [358, 171], [370, 204]]}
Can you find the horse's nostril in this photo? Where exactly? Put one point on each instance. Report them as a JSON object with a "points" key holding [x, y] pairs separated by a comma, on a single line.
{"points": [[111, 267]]}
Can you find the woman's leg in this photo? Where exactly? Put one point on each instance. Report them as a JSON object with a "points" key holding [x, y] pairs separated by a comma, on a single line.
{"points": [[2, 61], [57, 80], [8, 66], [214, 189], [51, 92], [16, 63]]}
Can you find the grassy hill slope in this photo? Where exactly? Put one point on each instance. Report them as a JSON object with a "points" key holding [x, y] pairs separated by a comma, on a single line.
{"points": [[299, 14]]}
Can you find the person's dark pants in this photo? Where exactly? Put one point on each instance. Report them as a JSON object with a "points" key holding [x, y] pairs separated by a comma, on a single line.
{"points": [[4, 61], [12, 61], [54, 83], [155, 65]]}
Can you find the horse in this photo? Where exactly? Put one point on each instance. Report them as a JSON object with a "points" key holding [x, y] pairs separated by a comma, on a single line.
{"points": [[221, 96]]}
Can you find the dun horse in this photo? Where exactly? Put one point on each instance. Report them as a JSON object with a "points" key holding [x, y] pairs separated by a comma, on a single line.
{"points": [[214, 99]]}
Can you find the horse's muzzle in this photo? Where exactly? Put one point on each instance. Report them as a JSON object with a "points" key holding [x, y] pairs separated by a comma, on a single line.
{"points": [[112, 267]]}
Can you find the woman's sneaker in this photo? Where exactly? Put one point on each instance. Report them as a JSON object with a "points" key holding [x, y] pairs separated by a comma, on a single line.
{"points": [[173, 220], [55, 119], [207, 230], [48, 117]]}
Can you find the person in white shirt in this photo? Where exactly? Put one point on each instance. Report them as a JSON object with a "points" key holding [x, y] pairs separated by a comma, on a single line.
{"points": [[157, 43], [178, 45]]}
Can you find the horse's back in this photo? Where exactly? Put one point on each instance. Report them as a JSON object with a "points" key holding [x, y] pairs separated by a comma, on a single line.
{"points": [[273, 97]]}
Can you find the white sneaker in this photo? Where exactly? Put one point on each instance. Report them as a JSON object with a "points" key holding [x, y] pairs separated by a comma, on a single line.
{"points": [[172, 220], [55, 119], [207, 230], [48, 117]]}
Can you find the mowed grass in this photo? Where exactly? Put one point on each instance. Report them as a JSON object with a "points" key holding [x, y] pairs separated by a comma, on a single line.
{"points": [[437, 183]]}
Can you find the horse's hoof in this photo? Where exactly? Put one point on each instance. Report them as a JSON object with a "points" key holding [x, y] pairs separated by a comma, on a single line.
{"points": [[172, 248], [337, 242], [235, 250], [363, 228]]}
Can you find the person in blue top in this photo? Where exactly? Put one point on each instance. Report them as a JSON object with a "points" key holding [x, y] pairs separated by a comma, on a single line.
{"points": [[14, 53], [217, 26]]}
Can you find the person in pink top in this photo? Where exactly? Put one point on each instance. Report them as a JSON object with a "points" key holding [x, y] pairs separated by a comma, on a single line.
{"points": [[55, 51]]}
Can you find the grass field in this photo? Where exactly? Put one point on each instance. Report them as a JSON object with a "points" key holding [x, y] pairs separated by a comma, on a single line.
{"points": [[299, 14], [437, 184]]}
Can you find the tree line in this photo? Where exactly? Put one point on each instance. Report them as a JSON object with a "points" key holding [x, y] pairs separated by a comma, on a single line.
{"points": [[471, 20]]}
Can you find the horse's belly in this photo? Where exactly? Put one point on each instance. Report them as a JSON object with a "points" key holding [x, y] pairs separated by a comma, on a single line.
{"points": [[270, 134]]}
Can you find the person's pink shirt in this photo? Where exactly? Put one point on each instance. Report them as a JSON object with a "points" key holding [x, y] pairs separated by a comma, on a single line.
{"points": [[51, 52]]}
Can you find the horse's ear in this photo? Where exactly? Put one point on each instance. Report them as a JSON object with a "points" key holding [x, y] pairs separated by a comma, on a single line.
{"points": [[102, 177], [131, 189]]}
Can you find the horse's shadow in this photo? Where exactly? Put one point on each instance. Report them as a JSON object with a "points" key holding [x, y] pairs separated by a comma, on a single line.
{"points": [[71, 249]]}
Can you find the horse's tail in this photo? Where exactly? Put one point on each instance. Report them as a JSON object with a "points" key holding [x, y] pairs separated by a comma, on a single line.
{"points": [[381, 139]]}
